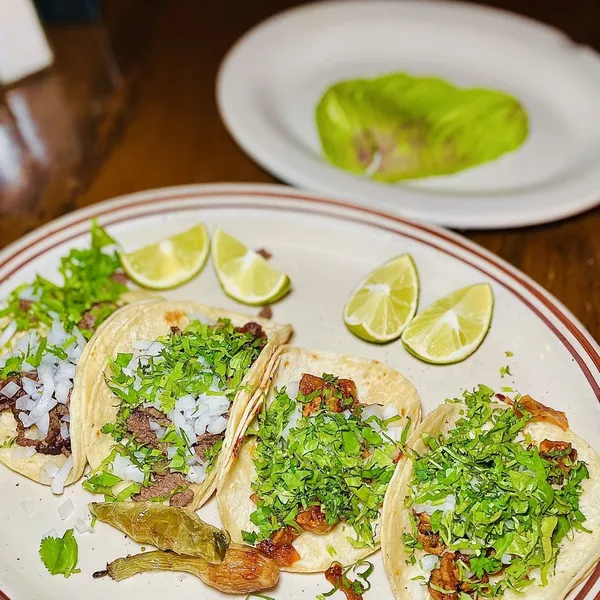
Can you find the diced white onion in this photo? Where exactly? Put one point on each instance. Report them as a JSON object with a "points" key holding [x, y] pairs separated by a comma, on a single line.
{"points": [[292, 389], [10, 389], [46, 379], [294, 418], [196, 474], [26, 419], [24, 403], [8, 332], [506, 559], [29, 295], [429, 562], [154, 349], [219, 425], [65, 509], [58, 483], [447, 505], [51, 533], [51, 469], [81, 341], [43, 423], [57, 336], [62, 390], [81, 526], [25, 453], [123, 467], [66, 418], [64, 431], [29, 385], [28, 506]]}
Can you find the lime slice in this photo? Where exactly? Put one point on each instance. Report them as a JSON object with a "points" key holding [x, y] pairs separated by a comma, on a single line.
{"points": [[453, 327], [245, 275], [384, 302], [168, 263]]}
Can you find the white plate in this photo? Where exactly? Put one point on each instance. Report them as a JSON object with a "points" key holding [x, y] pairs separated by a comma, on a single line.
{"points": [[326, 247], [273, 78]]}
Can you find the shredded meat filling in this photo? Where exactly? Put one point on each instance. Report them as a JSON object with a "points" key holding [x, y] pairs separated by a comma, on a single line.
{"points": [[163, 485], [280, 547], [313, 519], [138, 424], [432, 544], [253, 329], [205, 442], [339, 396], [53, 444]]}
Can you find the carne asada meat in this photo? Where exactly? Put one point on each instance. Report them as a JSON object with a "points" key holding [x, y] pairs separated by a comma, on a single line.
{"points": [[25, 305], [432, 544], [53, 443], [266, 312], [163, 485], [280, 547], [339, 396], [182, 498], [313, 519], [205, 442], [264, 253], [253, 329], [138, 424]]}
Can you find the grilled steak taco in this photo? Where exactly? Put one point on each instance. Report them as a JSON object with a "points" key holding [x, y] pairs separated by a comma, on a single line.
{"points": [[168, 391], [307, 480], [493, 500], [45, 328]]}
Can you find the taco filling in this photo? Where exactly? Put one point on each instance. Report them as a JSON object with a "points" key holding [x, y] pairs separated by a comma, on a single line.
{"points": [[174, 395], [47, 326], [489, 506], [321, 458]]}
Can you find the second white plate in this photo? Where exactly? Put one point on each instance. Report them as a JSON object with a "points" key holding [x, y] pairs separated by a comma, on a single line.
{"points": [[271, 81]]}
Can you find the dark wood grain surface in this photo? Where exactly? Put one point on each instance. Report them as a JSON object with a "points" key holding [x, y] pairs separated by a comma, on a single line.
{"points": [[129, 105]]}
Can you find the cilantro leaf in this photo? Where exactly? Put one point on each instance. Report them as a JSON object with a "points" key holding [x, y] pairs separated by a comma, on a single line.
{"points": [[60, 555]]}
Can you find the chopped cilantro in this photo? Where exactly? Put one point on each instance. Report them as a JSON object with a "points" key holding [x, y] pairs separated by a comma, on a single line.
{"points": [[509, 498], [505, 371], [87, 288], [59, 555], [336, 461], [508, 354], [507, 389]]}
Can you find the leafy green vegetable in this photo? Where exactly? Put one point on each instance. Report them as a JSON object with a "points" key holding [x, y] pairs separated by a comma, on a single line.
{"points": [[398, 127], [60, 555], [88, 287], [510, 498], [505, 371], [336, 461]]}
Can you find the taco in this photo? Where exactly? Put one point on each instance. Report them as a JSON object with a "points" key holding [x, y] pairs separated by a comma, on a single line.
{"points": [[493, 499], [45, 328], [307, 479], [168, 391]]}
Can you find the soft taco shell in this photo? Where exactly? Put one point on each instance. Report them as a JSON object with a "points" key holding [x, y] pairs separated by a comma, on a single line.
{"points": [[148, 321], [577, 556], [376, 383], [33, 466]]}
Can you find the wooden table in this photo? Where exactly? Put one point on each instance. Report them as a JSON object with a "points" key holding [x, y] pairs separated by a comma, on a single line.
{"points": [[130, 105]]}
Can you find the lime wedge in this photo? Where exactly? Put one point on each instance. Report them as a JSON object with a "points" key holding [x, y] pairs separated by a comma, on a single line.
{"points": [[384, 302], [168, 263], [453, 327], [245, 275]]}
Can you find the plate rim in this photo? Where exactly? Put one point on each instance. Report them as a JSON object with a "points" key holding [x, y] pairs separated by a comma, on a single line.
{"points": [[139, 204], [567, 206]]}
